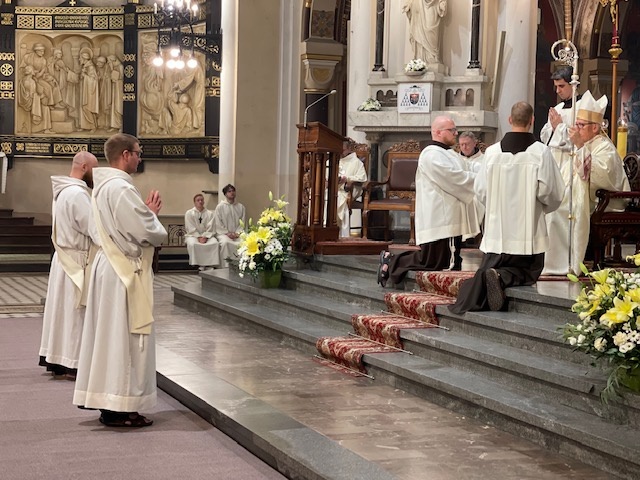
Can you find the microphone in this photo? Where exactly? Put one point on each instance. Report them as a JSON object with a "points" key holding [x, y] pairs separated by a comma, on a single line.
{"points": [[306, 110]]}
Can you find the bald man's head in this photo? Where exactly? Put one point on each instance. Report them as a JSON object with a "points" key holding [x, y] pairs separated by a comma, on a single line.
{"points": [[82, 167], [443, 130]]}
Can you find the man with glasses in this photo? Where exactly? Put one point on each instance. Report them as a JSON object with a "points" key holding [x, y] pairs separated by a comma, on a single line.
{"points": [[116, 368], [597, 165], [444, 207]]}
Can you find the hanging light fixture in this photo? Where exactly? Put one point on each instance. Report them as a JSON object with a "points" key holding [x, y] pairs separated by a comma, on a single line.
{"points": [[173, 17]]}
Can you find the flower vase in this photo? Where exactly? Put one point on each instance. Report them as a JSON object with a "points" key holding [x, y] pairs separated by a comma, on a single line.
{"points": [[631, 379], [270, 278], [415, 73]]}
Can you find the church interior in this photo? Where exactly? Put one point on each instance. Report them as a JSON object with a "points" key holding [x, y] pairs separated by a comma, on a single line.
{"points": [[328, 376]]}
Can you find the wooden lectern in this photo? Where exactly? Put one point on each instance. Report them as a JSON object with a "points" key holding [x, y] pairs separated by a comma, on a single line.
{"points": [[319, 152]]}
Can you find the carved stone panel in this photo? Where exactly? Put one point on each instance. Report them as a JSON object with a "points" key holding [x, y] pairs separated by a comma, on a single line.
{"points": [[171, 102], [69, 83]]}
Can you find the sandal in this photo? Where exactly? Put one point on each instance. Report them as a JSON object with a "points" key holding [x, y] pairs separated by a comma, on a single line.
{"points": [[131, 420], [383, 275]]}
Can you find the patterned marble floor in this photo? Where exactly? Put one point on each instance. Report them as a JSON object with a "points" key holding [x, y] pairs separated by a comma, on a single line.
{"points": [[409, 437]]}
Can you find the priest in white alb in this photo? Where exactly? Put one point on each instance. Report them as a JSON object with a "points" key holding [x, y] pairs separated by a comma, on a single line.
{"points": [[69, 274], [351, 176], [202, 246], [229, 224], [117, 366]]}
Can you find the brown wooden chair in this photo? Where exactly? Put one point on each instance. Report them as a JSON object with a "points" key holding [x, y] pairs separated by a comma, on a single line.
{"points": [[363, 152], [618, 227], [399, 188]]}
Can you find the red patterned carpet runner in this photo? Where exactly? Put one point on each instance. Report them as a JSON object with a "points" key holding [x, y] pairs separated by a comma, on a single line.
{"points": [[406, 310]]}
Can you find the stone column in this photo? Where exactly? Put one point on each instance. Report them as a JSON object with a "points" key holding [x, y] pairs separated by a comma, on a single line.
{"points": [[475, 34], [228, 93], [359, 58], [517, 72], [378, 66], [375, 140]]}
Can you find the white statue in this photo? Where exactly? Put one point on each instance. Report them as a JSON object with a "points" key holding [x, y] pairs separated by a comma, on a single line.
{"points": [[424, 27]]}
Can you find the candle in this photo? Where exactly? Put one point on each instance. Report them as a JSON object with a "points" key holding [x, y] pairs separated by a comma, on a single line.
{"points": [[622, 141], [155, 8]]}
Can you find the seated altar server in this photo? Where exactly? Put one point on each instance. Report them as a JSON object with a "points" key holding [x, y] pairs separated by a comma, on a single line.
{"points": [[229, 221], [203, 248]]}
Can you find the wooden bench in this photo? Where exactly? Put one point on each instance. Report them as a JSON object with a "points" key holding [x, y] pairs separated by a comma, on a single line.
{"points": [[399, 188]]}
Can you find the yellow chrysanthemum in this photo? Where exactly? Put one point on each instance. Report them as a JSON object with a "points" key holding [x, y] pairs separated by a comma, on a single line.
{"points": [[621, 311]]}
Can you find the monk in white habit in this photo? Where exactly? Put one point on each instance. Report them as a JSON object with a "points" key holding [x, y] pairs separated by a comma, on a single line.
{"points": [[69, 275], [519, 174], [445, 207], [351, 176], [229, 221], [597, 165], [117, 366], [203, 248]]}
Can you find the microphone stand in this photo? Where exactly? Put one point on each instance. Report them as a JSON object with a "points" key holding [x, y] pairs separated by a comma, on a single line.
{"points": [[568, 55], [306, 110]]}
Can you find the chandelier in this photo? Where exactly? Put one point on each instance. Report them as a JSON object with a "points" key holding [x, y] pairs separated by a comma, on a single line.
{"points": [[175, 19]]}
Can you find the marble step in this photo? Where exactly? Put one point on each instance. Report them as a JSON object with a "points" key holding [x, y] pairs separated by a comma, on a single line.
{"points": [[290, 328], [608, 446], [530, 332]]}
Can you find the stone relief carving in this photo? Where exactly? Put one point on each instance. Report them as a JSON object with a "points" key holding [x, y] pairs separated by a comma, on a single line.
{"points": [[68, 84], [171, 102]]}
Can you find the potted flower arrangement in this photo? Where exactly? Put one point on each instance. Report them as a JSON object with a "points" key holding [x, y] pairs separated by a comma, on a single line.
{"points": [[608, 325], [264, 247], [370, 105], [415, 67]]}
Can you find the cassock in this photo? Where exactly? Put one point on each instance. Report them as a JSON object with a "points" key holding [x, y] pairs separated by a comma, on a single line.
{"points": [[228, 219], [117, 366], [201, 224], [64, 311], [444, 209], [352, 168], [519, 175], [607, 172]]}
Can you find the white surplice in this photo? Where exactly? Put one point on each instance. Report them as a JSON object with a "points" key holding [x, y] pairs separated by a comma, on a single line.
{"points": [[63, 317], [352, 168], [445, 205], [228, 219], [201, 224], [117, 369], [534, 169]]}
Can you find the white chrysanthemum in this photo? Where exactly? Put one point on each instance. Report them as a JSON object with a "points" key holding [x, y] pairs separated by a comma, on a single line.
{"points": [[625, 347], [572, 340], [252, 265], [619, 338], [581, 339], [600, 344]]}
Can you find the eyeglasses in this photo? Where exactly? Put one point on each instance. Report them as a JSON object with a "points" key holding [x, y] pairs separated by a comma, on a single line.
{"points": [[452, 130], [580, 126], [139, 152]]}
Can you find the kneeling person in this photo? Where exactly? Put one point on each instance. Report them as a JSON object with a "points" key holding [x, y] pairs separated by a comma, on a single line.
{"points": [[514, 253]]}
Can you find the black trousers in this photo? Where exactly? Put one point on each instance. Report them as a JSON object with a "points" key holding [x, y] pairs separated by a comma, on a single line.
{"points": [[432, 256]]}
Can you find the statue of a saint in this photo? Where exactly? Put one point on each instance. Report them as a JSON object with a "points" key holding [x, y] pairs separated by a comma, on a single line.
{"points": [[424, 27]]}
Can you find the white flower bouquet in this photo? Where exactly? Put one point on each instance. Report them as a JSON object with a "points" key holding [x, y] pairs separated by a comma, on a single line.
{"points": [[265, 246], [608, 326], [370, 105], [416, 65]]}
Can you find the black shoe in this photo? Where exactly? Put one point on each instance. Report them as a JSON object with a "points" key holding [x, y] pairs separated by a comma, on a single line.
{"points": [[495, 293]]}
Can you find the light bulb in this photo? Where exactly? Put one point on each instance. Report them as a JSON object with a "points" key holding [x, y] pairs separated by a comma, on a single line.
{"points": [[171, 63], [192, 63], [175, 52], [158, 61], [180, 64]]}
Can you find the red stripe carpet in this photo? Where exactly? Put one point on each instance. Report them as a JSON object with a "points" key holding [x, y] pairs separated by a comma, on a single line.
{"points": [[406, 310]]}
